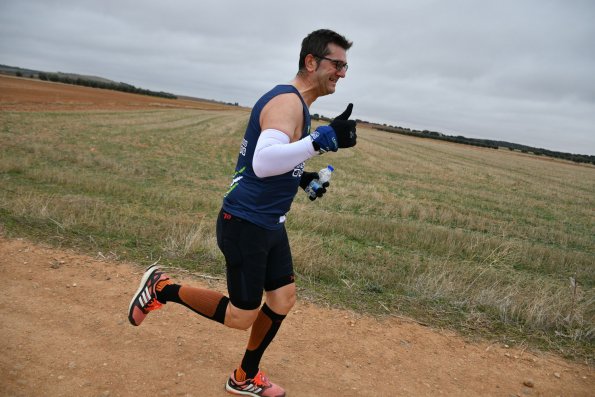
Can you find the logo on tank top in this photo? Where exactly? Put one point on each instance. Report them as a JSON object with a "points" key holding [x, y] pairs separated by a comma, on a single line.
{"points": [[243, 147], [237, 177], [298, 170]]}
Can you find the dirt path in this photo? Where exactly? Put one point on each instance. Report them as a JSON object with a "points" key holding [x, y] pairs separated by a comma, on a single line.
{"points": [[64, 332]]}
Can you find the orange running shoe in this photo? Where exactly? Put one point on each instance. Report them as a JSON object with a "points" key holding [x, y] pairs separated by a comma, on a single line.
{"points": [[260, 385], [145, 298]]}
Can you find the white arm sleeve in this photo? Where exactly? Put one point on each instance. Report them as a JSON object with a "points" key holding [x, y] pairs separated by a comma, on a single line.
{"points": [[274, 155]]}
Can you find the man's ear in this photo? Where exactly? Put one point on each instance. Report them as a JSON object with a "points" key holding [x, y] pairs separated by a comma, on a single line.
{"points": [[311, 63]]}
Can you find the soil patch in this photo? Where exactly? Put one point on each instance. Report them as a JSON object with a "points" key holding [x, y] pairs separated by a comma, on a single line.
{"points": [[64, 332]]}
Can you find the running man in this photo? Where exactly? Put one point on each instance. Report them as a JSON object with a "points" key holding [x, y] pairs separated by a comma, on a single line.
{"points": [[251, 224]]}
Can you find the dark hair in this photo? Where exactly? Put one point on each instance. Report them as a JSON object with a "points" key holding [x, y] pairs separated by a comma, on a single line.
{"points": [[316, 43]]}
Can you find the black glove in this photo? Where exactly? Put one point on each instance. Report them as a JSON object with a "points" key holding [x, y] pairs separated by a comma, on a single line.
{"points": [[345, 128], [308, 177]]}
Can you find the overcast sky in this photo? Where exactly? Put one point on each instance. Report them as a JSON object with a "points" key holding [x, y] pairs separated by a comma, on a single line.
{"points": [[522, 71]]}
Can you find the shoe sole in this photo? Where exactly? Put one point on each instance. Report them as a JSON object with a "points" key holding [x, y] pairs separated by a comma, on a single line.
{"points": [[148, 273], [237, 392]]}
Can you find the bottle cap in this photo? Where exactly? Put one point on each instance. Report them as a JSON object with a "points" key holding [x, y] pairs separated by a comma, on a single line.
{"points": [[330, 167]]}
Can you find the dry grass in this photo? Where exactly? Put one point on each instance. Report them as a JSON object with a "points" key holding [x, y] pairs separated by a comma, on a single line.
{"points": [[474, 239]]}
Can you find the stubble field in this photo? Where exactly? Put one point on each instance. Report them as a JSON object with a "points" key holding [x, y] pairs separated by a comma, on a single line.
{"points": [[488, 243]]}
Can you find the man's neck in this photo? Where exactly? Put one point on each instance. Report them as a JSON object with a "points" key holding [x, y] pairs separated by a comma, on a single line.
{"points": [[306, 89]]}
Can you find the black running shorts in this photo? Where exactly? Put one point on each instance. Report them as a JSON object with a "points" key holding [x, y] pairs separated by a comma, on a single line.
{"points": [[257, 259]]}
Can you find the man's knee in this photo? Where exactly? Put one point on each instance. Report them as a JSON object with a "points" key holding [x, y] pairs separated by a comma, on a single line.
{"points": [[283, 299], [283, 306], [238, 318], [290, 300]]}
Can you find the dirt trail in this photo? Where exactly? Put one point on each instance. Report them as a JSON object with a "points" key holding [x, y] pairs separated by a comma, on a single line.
{"points": [[64, 332]]}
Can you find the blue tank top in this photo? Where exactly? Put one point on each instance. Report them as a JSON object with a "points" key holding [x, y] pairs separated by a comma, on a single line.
{"points": [[263, 201]]}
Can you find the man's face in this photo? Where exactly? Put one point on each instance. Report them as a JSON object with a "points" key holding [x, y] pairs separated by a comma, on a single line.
{"points": [[330, 69]]}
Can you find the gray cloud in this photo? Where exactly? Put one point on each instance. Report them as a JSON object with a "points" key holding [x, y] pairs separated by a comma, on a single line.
{"points": [[519, 71]]}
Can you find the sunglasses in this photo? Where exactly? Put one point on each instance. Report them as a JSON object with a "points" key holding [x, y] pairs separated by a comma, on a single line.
{"points": [[339, 65]]}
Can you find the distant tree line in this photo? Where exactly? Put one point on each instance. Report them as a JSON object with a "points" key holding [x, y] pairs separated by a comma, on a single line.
{"points": [[61, 78], [319, 117], [488, 143]]}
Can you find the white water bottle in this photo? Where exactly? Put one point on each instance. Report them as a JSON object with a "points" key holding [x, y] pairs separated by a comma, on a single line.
{"points": [[324, 175]]}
